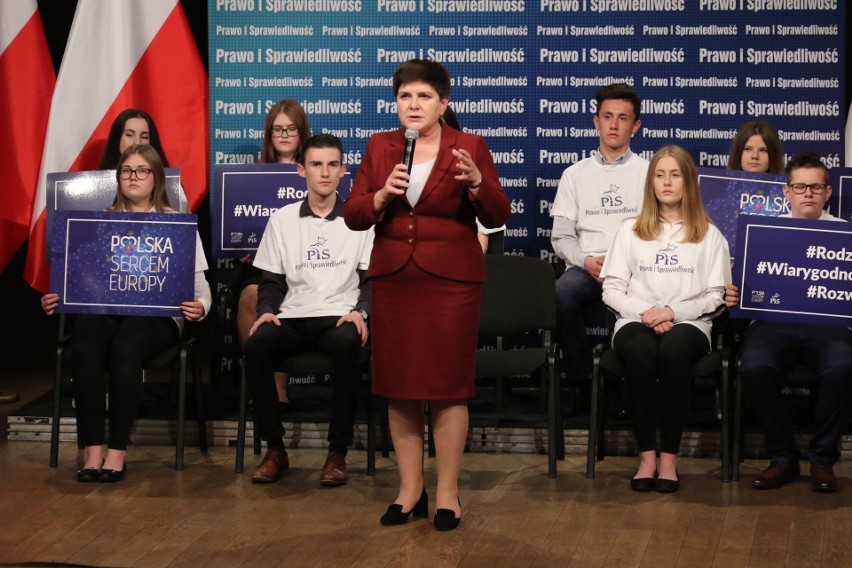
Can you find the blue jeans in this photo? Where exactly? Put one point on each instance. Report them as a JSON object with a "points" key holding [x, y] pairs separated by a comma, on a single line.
{"points": [[575, 290], [769, 352]]}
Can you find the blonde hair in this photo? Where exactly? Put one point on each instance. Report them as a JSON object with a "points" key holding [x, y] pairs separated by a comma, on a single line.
{"points": [[159, 197], [696, 221]]}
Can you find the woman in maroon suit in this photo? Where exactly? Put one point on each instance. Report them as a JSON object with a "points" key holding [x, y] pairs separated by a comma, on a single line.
{"points": [[426, 274]]}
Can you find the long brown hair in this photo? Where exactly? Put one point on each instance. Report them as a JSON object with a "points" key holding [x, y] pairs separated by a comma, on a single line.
{"points": [[773, 145], [159, 197], [111, 155], [294, 112], [696, 221]]}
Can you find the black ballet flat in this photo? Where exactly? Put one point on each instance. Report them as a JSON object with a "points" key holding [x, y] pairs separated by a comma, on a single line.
{"points": [[88, 474], [112, 475], [446, 520], [644, 484], [395, 516], [668, 485]]}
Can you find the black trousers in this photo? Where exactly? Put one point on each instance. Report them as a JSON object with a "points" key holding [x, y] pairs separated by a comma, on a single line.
{"points": [[770, 350], [270, 344], [122, 345], [658, 381]]}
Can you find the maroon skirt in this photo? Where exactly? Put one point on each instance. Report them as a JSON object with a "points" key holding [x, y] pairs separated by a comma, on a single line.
{"points": [[424, 335]]}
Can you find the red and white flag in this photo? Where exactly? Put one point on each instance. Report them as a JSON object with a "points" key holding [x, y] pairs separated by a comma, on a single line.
{"points": [[122, 54], [26, 83]]}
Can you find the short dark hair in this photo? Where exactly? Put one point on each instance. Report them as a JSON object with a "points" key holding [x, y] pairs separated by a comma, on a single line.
{"points": [[622, 92], [320, 141], [450, 118], [430, 72], [806, 160]]}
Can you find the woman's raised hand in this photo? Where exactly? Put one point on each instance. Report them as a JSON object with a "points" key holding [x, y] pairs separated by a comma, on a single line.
{"points": [[396, 184]]}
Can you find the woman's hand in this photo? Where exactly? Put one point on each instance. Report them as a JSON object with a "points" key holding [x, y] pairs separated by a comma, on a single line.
{"points": [[469, 173], [396, 184], [49, 303], [653, 317], [192, 311]]}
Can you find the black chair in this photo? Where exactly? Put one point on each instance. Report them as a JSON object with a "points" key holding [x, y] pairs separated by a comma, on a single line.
{"points": [[311, 362], [179, 357], [519, 297], [800, 378], [607, 364], [496, 242]]}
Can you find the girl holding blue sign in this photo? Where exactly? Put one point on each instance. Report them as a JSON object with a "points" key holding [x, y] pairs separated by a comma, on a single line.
{"points": [[123, 344], [665, 271]]}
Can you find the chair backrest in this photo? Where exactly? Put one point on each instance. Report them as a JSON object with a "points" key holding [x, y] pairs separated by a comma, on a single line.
{"points": [[519, 296], [600, 315]]}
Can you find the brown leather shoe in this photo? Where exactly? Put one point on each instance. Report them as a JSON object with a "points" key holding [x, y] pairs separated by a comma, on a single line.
{"points": [[274, 463], [334, 470], [776, 475], [822, 478]]}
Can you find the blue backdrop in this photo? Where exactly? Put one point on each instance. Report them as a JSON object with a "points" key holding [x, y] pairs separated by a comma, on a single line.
{"points": [[525, 74]]}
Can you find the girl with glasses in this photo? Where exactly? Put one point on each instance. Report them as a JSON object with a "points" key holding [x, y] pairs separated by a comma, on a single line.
{"points": [[123, 344]]}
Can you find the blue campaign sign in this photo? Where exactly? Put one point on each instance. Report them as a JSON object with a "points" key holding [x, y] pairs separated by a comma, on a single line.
{"points": [[123, 263], [794, 270], [841, 184], [243, 198], [727, 193], [95, 190]]}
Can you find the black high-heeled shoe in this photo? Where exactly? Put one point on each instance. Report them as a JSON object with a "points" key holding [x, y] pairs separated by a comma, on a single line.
{"points": [[112, 475], [446, 520], [395, 516]]}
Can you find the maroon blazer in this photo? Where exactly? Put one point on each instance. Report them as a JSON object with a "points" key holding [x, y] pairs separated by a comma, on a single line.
{"points": [[440, 230]]}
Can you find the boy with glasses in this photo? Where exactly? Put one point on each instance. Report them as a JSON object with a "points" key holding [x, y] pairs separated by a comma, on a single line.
{"points": [[771, 349]]}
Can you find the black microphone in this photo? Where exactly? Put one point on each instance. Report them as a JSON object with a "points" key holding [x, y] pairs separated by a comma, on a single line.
{"points": [[411, 136]]}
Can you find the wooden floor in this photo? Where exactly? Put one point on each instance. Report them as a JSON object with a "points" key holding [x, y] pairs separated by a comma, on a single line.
{"points": [[514, 515]]}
